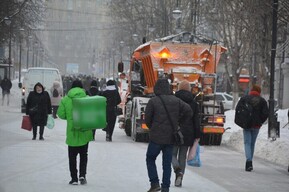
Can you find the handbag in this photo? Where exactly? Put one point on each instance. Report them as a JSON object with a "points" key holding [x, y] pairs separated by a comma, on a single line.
{"points": [[178, 135], [50, 122], [26, 123], [196, 161]]}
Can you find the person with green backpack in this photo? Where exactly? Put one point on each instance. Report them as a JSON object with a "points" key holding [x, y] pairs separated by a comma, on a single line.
{"points": [[77, 140]]}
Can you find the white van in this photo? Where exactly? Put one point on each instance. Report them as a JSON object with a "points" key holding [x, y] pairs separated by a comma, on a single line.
{"points": [[46, 76]]}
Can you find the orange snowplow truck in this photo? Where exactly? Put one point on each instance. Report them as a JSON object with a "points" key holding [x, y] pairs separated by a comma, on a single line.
{"points": [[175, 58]]}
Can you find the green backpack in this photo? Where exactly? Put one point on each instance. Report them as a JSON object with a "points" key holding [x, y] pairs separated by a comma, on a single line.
{"points": [[89, 113]]}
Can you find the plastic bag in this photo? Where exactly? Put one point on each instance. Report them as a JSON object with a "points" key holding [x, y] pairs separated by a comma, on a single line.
{"points": [[196, 161], [50, 122], [192, 151]]}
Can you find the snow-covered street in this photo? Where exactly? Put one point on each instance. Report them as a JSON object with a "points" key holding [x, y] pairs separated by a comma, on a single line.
{"points": [[33, 166]]}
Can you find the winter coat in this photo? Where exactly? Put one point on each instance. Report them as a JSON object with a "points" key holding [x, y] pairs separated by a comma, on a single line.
{"points": [[190, 127], [156, 117], [260, 108], [112, 100], [6, 85], [74, 137], [56, 100], [42, 105]]}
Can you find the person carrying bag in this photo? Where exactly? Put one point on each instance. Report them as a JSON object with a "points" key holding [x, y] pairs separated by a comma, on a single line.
{"points": [[161, 132]]}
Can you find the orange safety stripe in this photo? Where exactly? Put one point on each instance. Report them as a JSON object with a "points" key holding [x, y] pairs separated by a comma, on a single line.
{"points": [[213, 130]]}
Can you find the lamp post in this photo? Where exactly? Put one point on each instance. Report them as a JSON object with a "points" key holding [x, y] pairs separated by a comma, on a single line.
{"points": [[21, 30], [28, 46], [121, 44], [113, 63], [177, 13], [8, 21]]}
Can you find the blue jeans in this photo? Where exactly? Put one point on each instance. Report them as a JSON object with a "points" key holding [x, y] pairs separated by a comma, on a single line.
{"points": [[250, 136], [152, 153]]}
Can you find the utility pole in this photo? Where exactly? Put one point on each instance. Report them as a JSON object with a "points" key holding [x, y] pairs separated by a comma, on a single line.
{"points": [[273, 125]]}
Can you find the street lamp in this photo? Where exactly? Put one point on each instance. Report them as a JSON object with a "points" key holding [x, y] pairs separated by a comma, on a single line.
{"points": [[21, 30], [8, 21], [177, 13], [135, 37]]}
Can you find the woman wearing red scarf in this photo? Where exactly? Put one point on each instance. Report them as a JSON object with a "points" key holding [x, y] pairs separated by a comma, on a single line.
{"points": [[260, 114]]}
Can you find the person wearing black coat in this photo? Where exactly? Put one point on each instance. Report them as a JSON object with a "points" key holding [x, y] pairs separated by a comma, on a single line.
{"points": [[93, 91], [161, 132], [38, 107], [260, 114], [6, 85], [190, 128], [113, 99]]}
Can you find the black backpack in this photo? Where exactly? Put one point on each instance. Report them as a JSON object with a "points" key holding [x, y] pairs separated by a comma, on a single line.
{"points": [[244, 113], [55, 93]]}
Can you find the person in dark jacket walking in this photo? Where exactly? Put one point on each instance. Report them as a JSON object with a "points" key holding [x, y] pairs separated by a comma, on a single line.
{"points": [[190, 128], [38, 107], [161, 132], [260, 115], [6, 85], [93, 91], [113, 99]]}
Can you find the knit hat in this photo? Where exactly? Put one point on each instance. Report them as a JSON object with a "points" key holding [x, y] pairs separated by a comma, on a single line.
{"points": [[184, 85], [110, 82], [256, 88], [93, 83], [162, 87], [76, 83]]}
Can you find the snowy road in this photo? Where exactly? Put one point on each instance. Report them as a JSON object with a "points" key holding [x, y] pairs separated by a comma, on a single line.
{"points": [[34, 166]]}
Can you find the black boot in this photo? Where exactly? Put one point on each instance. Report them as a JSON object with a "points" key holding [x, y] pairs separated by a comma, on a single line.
{"points": [[154, 187], [41, 133], [165, 190], [34, 132], [179, 177], [249, 166]]}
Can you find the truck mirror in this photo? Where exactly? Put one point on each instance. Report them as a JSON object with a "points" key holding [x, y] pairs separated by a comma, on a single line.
{"points": [[20, 85], [120, 67]]}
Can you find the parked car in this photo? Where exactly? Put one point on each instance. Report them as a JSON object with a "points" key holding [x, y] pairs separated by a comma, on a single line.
{"points": [[226, 99]]}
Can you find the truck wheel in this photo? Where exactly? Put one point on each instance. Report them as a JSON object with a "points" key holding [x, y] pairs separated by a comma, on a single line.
{"points": [[127, 127], [135, 136]]}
